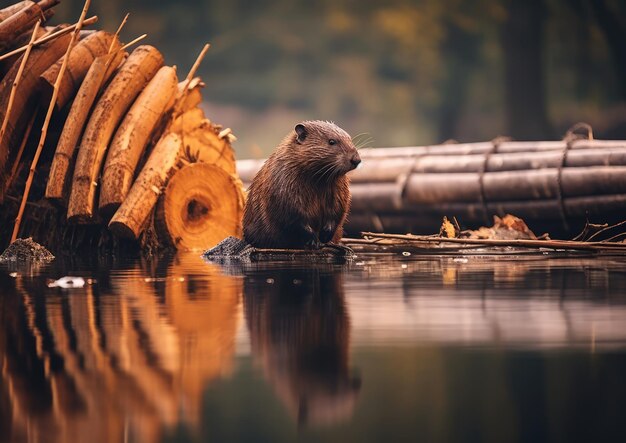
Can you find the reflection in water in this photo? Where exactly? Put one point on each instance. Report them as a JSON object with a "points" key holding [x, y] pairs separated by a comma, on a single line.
{"points": [[118, 360], [529, 302], [300, 334], [451, 348]]}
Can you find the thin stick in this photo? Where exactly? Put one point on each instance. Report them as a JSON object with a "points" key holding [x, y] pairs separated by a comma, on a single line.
{"points": [[18, 77], [29, 127], [117, 33], [48, 37], [191, 74], [129, 44], [46, 123], [112, 45], [553, 244]]}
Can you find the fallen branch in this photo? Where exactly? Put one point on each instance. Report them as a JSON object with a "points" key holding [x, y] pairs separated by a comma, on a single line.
{"points": [[550, 244]]}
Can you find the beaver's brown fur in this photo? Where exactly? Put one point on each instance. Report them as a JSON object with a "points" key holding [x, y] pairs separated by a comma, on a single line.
{"points": [[301, 196]]}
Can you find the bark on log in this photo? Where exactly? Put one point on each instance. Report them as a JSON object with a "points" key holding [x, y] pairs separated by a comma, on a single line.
{"points": [[21, 42], [376, 196], [23, 20], [130, 219], [59, 178], [25, 101], [131, 78], [14, 8], [201, 205], [81, 58], [132, 138]]}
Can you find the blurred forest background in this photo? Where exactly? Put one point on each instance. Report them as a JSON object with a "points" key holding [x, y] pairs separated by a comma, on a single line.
{"points": [[408, 72]]}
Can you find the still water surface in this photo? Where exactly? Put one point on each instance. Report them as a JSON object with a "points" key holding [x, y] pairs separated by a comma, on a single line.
{"points": [[382, 349]]}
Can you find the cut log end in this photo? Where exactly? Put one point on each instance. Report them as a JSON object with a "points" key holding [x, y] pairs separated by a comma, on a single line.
{"points": [[202, 204]]}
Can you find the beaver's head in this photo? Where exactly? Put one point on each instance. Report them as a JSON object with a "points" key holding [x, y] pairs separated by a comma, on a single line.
{"points": [[324, 149]]}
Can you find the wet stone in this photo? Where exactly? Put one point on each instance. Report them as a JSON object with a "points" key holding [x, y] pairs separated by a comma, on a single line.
{"points": [[26, 250]]}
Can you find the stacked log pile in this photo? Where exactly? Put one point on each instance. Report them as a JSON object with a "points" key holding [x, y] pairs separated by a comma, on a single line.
{"points": [[553, 185], [125, 148]]}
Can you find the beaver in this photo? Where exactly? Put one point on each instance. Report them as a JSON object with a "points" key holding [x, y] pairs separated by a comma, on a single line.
{"points": [[300, 197]]}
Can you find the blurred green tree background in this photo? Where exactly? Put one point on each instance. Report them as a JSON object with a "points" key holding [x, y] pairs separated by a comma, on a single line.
{"points": [[407, 72]]}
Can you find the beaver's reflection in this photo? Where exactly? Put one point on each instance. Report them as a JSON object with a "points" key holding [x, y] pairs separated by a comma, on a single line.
{"points": [[300, 334]]}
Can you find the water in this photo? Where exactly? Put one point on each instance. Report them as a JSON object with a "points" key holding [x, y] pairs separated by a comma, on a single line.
{"points": [[393, 349]]}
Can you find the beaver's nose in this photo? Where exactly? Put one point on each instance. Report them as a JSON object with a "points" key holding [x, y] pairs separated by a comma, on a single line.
{"points": [[355, 160]]}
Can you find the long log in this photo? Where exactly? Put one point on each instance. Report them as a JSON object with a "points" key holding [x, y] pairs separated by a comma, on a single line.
{"points": [[201, 205], [59, 178], [132, 138], [131, 217], [23, 20], [25, 101], [82, 57], [50, 33], [537, 184], [14, 8], [135, 73]]}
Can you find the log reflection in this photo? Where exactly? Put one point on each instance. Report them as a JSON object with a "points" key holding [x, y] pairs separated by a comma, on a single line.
{"points": [[300, 335], [127, 358]]}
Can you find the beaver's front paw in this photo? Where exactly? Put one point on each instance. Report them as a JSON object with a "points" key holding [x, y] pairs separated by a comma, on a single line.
{"points": [[312, 240], [328, 232]]}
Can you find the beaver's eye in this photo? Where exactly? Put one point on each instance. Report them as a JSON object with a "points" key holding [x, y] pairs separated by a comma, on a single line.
{"points": [[332, 141]]}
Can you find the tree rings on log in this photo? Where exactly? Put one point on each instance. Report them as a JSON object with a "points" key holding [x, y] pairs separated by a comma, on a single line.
{"points": [[202, 204]]}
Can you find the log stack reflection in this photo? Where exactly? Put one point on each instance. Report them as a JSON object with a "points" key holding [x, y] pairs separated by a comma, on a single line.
{"points": [[124, 359]]}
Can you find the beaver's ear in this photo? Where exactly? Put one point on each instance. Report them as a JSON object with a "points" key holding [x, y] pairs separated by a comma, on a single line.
{"points": [[301, 132]]}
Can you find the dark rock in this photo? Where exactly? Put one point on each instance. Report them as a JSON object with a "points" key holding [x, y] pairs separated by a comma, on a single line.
{"points": [[26, 250]]}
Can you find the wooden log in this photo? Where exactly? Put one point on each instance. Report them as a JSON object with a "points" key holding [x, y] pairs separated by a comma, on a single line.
{"points": [[201, 205], [540, 184], [59, 178], [382, 170], [135, 73], [25, 101], [23, 20], [132, 138], [23, 40], [376, 196], [203, 143], [484, 147], [442, 188], [82, 57], [44, 129], [130, 219], [50, 33], [392, 222], [14, 8]]}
